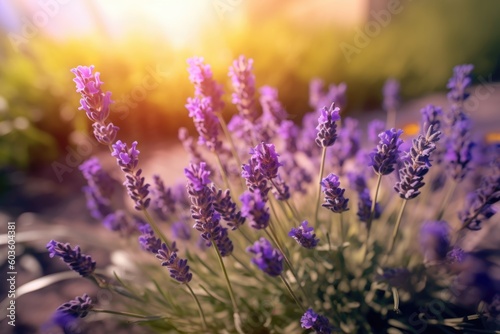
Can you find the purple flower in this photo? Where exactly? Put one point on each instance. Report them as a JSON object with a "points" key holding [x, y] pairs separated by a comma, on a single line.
{"points": [[267, 160], [479, 205], [304, 235], [254, 209], [97, 177], [334, 195], [117, 221], [365, 206], [74, 258], [348, 142], [456, 255], [95, 103], [281, 190], [163, 200], [327, 128], [459, 146], [395, 277], [417, 164], [319, 98], [205, 86], [375, 127], [385, 156], [189, 145], [198, 175], [289, 133], [435, 240], [224, 244], [178, 268], [243, 81], [225, 206], [316, 322], [431, 116], [180, 230], [391, 94], [68, 313], [128, 159], [268, 259], [207, 220], [272, 110], [205, 121], [459, 82], [148, 241], [99, 207], [254, 179]]}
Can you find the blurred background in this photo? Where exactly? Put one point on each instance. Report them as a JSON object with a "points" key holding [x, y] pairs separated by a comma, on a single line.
{"points": [[360, 42], [140, 49]]}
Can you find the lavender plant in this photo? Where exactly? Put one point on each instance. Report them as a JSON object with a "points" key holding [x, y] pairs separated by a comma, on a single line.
{"points": [[279, 264]]}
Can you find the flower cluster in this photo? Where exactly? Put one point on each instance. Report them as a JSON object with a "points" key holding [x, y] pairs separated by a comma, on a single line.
{"points": [[81, 263], [207, 219], [334, 195], [205, 121], [68, 313], [200, 74], [304, 235], [128, 159], [417, 164], [267, 258], [178, 268], [316, 322], [95, 103], [99, 189], [385, 156], [327, 128]]}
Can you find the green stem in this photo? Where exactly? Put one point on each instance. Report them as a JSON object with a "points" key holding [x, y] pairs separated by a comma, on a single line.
{"points": [[289, 264], [126, 314], [396, 228], [292, 293], [230, 289], [372, 214], [321, 171], [294, 211], [200, 310], [342, 229], [155, 227]]}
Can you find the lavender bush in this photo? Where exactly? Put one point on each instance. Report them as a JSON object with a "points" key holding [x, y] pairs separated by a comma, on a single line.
{"points": [[271, 250]]}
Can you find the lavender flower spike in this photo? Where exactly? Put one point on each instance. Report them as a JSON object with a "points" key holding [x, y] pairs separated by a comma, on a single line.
{"points": [[74, 258], [385, 156], [391, 94], [334, 195], [205, 121], [267, 160], [95, 103], [417, 164], [304, 235], [316, 322], [200, 74], [128, 159], [178, 268], [207, 220], [254, 209], [327, 128], [479, 205], [225, 206], [268, 259], [243, 81], [68, 313]]}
